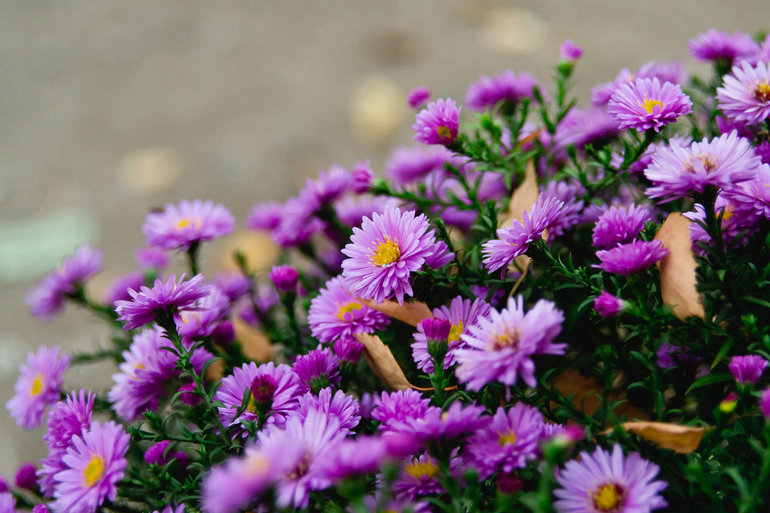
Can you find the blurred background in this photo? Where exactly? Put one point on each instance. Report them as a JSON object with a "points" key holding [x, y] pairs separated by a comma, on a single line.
{"points": [[108, 109]]}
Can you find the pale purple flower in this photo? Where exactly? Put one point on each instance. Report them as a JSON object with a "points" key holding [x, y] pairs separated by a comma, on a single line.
{"points": [[204, 316], [764, 404], [39, 385], [409, 163], [583, 126], [354, 457], [438, 123], [190, 222], [336, 404], [418, 477], [329, 186], [647, 104], [608, 305], [418, 96], [264, 216], [284, 277], [665, 72], [714, 44], [362, 175], [148, 303], [569, 51], [569, 213], [444, 427], [631, 258], [348, 351], [398, 406], [619, 225], [753, 194], [234, 285], [745, 93], [747, 369], [151, 258], [7, 503], [507, 86], [317, 369]]}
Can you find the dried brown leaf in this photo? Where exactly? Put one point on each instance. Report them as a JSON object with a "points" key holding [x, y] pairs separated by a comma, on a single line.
{"points": [[254, 343], [410, 313], [677, 269], [523, 197], [587, 395], [680, 439], [382, 362]]}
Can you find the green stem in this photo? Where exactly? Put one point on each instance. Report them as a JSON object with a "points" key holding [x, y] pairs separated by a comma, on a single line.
{"points": [[192, 257]]}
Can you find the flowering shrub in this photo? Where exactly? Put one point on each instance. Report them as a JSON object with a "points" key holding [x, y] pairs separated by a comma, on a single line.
{"points": [[543, 308]]}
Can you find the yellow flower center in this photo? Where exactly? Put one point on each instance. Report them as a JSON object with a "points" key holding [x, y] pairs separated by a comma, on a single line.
{"points": [[387, 252], [509, 437], [347, 308], [418, 470], [608, 497], [708, 160], [509, 337], [94, 470], [762, 92], [252, 406], [37, 385], [455, 331], [257, 463], [184, 222], [649, 105], [444, 132]]}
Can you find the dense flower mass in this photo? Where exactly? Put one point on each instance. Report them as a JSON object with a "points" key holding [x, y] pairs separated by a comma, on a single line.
{"points": [[505, 87], [632, 257], [715, 44], [745, 93]]}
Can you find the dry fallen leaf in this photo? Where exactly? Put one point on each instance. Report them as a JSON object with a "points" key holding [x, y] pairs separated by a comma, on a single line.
{"points": [[677, 269], [254, 344], [680, 439], [258, 248], [588, 395], [523, 197], [409, 313], [382, 362]]}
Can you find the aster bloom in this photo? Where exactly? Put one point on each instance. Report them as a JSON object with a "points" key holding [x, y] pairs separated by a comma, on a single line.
{"points": [[508, 441], [7, 503], [329, 186], [647, 104], [118, 289], [336, 404], [602, 482], [569, 51], [714, 44], [665, 72], [384, 252], [148, 303], [570, 212], [608, 305], [418, 96], [631, 258], [747, 369], [348, 352], [461, 314], [745, 93], [38, 386], [25, 477], [409, 163], [284, 277], [764, 404], [362, 175], [754, 194], [583, 126], [670, 356], [502, 344], [151, 258], [721, 162], [515, 239], [398, 406], [443, 427], [206, 314], [47, 298], [355, 457], [317, 369], [271, 389], [190, 222], [505, 87], [418, 477], [437, 123], [619, 225], [264, 216], [95, 464]]}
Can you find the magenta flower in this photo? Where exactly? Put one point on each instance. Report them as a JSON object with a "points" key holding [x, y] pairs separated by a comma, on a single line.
{"points": [[118, 289], [336, 404], [619, 225], [348, 352], [437, 123], [745, 93], [647, 104], [418, 96], [335, 314], [284, 277], [25, 477], [670, 356], [409, 163], [443, 427], [505, 87], [264, 216], [95, 464], [317, 369], [399, 406], [8, 503], [190, 222], [418, 477], [148, 303], [747, 369], [631, 258], [754, 194], [764, 404], [502, 344], [204, 316], [355, 457], [665, 72], [38, 386], [608, 305], [151, 258], [569, 51], [362, 175], [713, 45], [384, 252], [602, 482]]}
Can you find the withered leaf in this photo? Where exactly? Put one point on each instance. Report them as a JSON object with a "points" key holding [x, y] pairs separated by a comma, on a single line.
{"points": [[409, 313], [382, 362], [523, 197], [678, 438], [677, 269], [587, 395]]}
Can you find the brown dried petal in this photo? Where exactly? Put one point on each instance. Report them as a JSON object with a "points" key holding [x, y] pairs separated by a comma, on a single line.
{"points": [[678, 438]]}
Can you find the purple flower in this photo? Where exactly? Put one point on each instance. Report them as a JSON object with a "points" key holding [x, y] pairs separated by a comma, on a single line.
{"points": [[159, 454], [631, 258], [670, 356], [39, 508], [569, 51], [271, 390], [646, 103], [418, 477], [329, 186], [38, 386], [747, 369], [507, 87], [234, 285], [284, 277], [507, 442], [399, 406], [317, 369], [461, 314], [418, 96], [713, 45], [7, 503], [94, 465], [151, 258], [348, 351], [665, 72], [443, 427], [619, 225], [569, 213], [118, 289], [191, 222], [384, 252], [583, 126], [335, 314], [188, 394], [339, 405], [501, 345], [764, 403], [608, 305], [437, 123], [47, 298], [410, 163], [148, 303], [264, 216], [204, 316], [362, 176], [359, 456], [25, 477], [745, 93], [753, 194], [603, 482]]}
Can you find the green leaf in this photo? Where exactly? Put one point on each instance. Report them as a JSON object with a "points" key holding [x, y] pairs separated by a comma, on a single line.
{"points": [[716, 377]]}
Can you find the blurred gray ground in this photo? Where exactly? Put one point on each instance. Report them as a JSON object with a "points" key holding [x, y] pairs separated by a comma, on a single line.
{"points": [[110, 108]]}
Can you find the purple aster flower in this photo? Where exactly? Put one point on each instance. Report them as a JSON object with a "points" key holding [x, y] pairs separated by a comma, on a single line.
{"points": [[118, 289], [25, 477], [171, 509], [507, 87], [264, 216], [726, 125], [348, 351], [148, 303], [418, 96], [608, 305], [631, 258], [764, 403], [583, 126], [190, 222], [234, 285], [95, 464], [317, 437], [501, 345], [753, 194], [745, 93], [747, 369], [351, 210], [671, 356], [507, 442], [437, 123], [284, 277], [569, 213], [39, 508], [271, 390], [355, 457], [461, 314], [569, 51], [188, 394], [7, 503], [619, 225], [339, 405], [47, 298], [646, 103], [317, 369], [713, 45], [602, 482], [362, 176], [335, 314], [384, 252], [443, 427], [157, 454], [329, 186], [515, 239], [38, 386], [205, 315], [399, 406], [409, 163], [665, 72], [151, 258], [418, 477]]}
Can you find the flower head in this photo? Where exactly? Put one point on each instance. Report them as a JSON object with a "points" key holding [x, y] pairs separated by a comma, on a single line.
{"points": [[647, 104], [443, 427], [631, 258], [602, 482], [284, 277], [38, 386], [362, 175], [148, 303], [764, 404], [409, 163], [190, 222], [714, 44], [317, 369], [507, 87], [401, 405], [619, 225], [336, 404], [608, 305], [747, 369], [418, 96], [264, 216], [745, 93], [569, 51], [437, 123]]}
